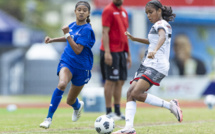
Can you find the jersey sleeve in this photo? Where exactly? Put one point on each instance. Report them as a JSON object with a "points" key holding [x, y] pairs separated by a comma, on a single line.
{"points": [[159, 25], [86, 37], [107, 18]]}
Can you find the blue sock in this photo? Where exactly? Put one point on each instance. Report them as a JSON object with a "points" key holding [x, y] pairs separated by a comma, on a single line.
{"points": [[55, 101], [76, 105]]}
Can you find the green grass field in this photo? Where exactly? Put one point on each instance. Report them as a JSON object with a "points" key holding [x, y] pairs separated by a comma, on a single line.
{"points": [[147, 121]]}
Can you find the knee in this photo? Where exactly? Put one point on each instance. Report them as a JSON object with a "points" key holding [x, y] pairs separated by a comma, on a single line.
{"points": [[62, 85], [134, 94], [129, 93]]}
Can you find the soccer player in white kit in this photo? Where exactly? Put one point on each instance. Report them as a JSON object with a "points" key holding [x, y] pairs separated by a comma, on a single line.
{"points": [[154, 67]]}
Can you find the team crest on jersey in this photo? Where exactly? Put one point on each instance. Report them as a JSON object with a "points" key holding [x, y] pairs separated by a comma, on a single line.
{"points": [[123, 14]]}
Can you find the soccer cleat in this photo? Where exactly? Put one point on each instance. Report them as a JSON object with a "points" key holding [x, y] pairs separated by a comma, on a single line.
{"points": [[120, 117], [46, 123], [116, 117], [77, 113], [175, 109], [125, 131]]}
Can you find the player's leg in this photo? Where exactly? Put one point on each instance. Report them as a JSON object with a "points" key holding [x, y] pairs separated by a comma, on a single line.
{"points": [[108, 92], [129, 113], [64, 77], [139, 94], [80, 78], [73, 101], [120, 61], [117, 100], [111, 76]]}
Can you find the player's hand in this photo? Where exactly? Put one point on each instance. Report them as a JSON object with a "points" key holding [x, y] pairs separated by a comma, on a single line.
{"points": [[48, 40], [108, 59], [65, 29], [151, 55], [129, 35]]}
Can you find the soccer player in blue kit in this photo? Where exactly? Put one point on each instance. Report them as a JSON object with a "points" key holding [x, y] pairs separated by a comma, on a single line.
{"points": [[76, 62]]}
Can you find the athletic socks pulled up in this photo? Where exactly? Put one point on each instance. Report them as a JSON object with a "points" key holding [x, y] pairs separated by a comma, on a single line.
{"points": [[130, 113], [55, 101], [155, 101]]}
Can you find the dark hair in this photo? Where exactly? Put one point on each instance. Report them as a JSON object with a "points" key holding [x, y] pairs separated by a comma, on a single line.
{"points": [[85, 3], [166, 11]]}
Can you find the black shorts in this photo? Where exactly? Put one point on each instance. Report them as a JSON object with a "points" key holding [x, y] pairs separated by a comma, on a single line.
{"points": [[118, 70]]}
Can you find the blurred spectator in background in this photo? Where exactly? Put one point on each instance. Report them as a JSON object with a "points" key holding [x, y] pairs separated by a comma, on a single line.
{"points": [[183, 63], [113, 58]]}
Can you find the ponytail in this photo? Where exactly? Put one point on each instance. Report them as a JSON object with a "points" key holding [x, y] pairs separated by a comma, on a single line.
{"points": [[166, 11], [167, 14], [88, 19]]}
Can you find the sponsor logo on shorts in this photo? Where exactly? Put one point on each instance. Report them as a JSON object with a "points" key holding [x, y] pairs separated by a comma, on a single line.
{"points": [[115, 71], [114, 77], [148, 72]]}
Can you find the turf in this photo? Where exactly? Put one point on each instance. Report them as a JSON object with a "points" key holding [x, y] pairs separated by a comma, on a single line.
{"points": [[147, 121]]}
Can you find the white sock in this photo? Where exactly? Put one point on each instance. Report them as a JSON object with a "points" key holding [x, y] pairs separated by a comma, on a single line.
{"points": [[130, 113], [155, 101]]}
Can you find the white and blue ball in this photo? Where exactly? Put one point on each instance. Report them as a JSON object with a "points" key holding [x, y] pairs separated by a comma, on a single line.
{"points": [[104, 124], [210, 101]]}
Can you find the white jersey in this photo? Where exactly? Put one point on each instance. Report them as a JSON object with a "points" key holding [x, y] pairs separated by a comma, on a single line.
{"points": [[161, 60]]}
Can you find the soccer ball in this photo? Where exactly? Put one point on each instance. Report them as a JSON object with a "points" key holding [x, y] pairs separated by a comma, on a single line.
{"points": [[104, 124], [210, 101]]}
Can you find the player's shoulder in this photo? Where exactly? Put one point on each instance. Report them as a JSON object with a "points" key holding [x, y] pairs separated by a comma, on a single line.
{"points": [[123, 9], [163, 23], [72, 24], [108, 8], [87, 27]]}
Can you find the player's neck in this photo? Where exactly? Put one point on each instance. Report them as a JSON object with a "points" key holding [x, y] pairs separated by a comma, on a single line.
{"points": [[81, 22]]}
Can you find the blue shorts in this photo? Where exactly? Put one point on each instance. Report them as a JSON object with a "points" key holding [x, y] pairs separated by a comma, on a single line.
{"points": [[79, 77]]}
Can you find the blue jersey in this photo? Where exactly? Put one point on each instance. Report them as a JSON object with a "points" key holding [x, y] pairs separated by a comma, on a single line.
{"points": [[83, 35]]}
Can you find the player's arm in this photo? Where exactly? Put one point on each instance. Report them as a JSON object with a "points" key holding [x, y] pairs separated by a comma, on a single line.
{"points": [[161, 41], [50, 40], [105, 38], [145, 41], [129, 62], [77, 48]]}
